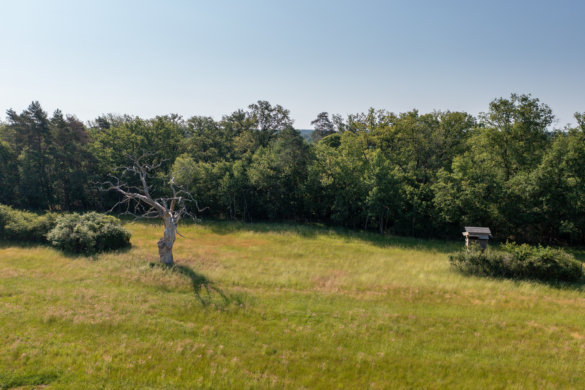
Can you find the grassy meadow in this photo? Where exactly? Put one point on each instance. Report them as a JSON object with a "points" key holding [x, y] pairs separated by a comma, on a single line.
{"points": [[280, 306]]}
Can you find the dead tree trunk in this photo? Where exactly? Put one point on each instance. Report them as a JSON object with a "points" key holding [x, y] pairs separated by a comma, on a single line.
{"points": [[165, 244], [169, 209]]}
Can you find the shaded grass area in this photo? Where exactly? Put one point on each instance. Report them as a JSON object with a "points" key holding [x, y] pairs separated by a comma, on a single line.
{"points": [[316, 230], [203, 288], [280, 306], [19, 379]]}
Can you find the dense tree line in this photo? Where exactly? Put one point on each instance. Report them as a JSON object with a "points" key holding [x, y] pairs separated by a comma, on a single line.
{"points": [[409, 173]]}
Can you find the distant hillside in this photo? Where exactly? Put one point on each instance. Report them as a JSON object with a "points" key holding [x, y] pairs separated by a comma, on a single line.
{"points": [[307, 134]]}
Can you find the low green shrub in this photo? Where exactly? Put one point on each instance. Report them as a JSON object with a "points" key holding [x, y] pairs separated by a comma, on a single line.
{"points": [[88, 233], [519, 262], [16, 225]]}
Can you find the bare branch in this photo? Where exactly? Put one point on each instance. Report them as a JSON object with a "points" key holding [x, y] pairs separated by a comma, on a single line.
{"points": [[139, 202]]}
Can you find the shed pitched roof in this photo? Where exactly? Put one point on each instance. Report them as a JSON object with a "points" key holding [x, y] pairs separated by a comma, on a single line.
{"points": [[477, 230]]}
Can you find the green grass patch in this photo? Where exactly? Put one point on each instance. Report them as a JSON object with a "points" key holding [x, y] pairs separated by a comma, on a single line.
{"points": [[280, 306], [19, 379]]}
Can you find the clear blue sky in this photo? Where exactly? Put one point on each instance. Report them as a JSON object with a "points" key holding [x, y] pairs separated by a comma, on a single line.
{"points": [[213, 57]]}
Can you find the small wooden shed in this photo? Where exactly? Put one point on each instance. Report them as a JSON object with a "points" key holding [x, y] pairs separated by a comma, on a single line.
{"points": [[479, 235]]}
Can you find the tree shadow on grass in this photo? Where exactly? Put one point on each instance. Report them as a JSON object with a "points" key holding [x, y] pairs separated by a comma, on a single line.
{"points": [[578, 286], [4, 244], [203, 288], [578, 252], [16, 379], [346, 234], [23, 244], [92, 255], [568, 285]]}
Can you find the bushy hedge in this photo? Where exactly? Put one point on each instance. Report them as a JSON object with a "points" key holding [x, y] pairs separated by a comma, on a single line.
{"points": [[16, 225], [519, 262], [88, 233]]}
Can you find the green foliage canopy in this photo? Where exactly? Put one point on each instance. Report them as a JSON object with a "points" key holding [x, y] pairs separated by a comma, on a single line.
{"points": [[419, 174]]}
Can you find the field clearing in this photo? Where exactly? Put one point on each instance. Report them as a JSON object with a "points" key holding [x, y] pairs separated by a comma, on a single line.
{"points": [[280, 306]]}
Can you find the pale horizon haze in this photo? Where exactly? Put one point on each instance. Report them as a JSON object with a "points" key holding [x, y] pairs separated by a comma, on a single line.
{"points": [[150, 58]]}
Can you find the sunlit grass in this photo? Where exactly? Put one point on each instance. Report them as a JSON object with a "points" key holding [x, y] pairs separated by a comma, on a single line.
{"points": [[280, 306]]}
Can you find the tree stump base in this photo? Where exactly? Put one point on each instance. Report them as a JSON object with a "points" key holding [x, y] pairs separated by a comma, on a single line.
{"points": [[165, 252]]}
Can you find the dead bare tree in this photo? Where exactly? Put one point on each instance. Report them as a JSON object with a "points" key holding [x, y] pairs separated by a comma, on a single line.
{"points": [[138, 201]]}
